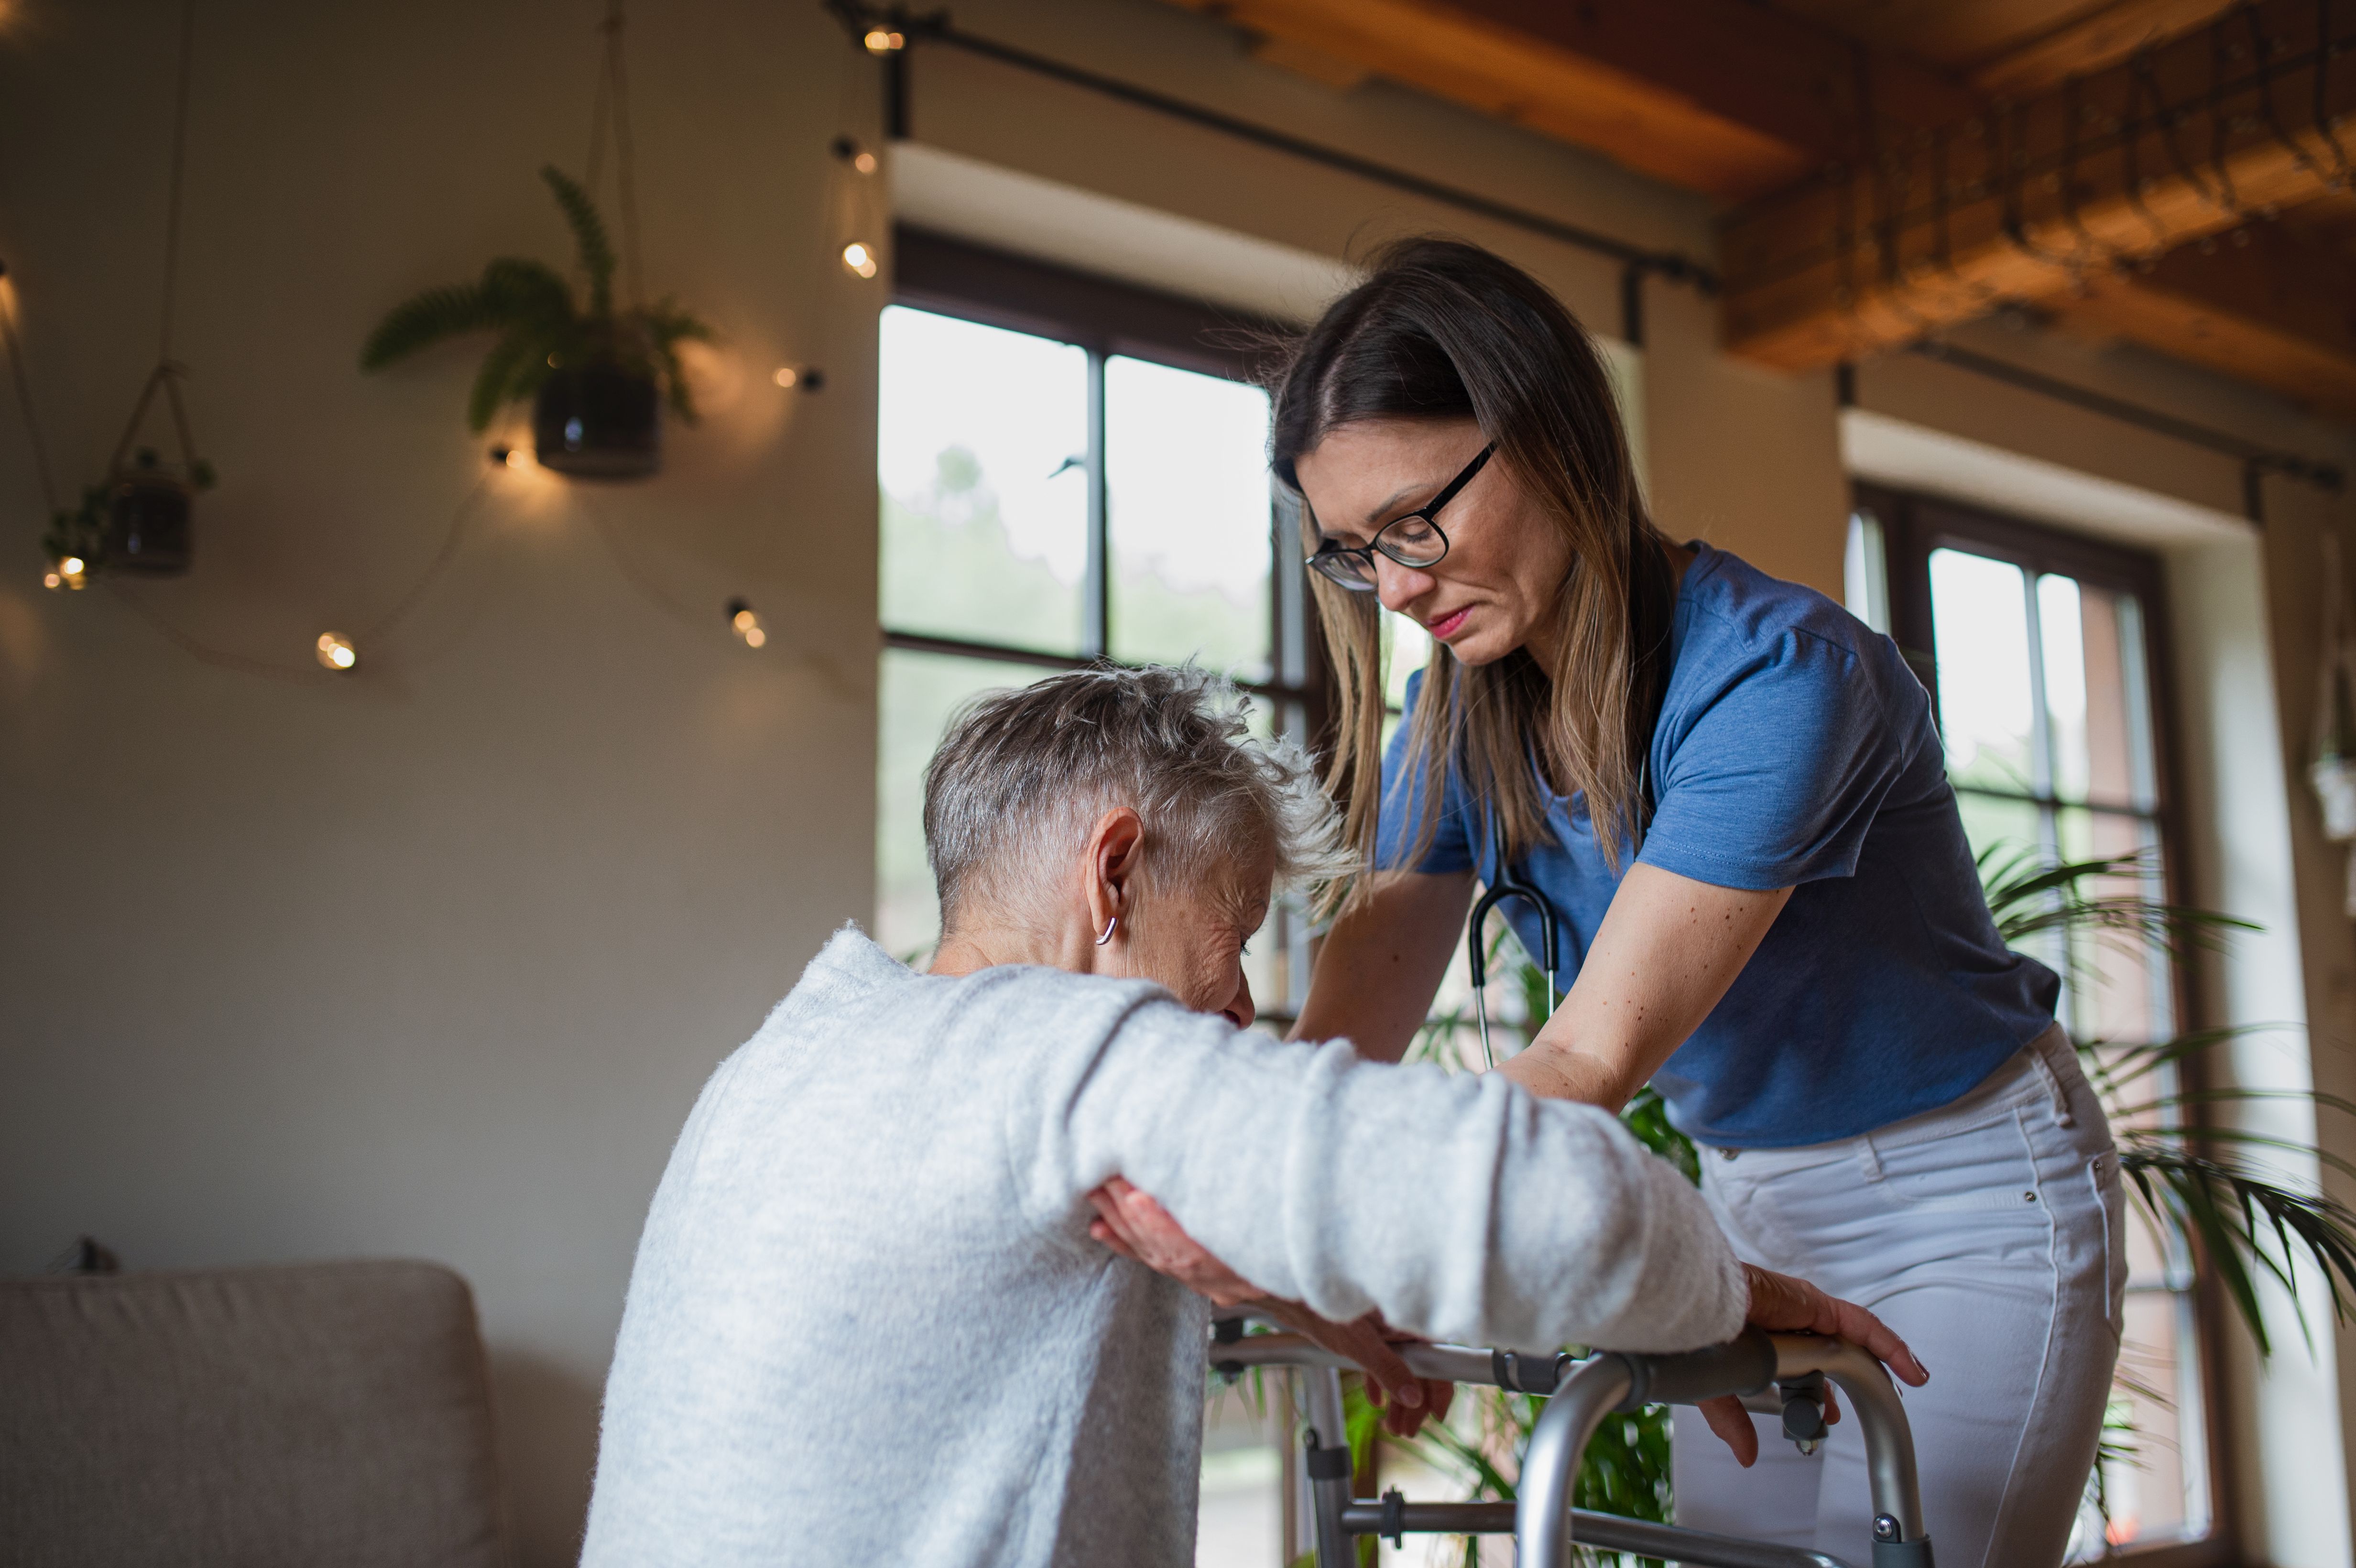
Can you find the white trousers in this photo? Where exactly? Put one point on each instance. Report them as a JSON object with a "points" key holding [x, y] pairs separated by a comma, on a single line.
{"points": [[1987, 1234]]}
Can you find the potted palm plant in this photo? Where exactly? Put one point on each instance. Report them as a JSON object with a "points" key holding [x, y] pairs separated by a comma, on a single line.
{"points": [[597, 376]]}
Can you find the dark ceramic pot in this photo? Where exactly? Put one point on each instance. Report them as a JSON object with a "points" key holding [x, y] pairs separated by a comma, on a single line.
{"points": [[598, 422], [147, 523]]}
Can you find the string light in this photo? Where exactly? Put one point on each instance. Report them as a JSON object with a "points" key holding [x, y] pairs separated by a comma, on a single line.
{"points": [[884, 42], [859, 258], [786, 376], [337, 652], [747, 624], [70, 571], [848, 150]]}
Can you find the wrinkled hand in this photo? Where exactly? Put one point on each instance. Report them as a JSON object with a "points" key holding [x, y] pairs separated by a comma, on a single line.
{"points": [[1783, 1304], [1137, 1227]]}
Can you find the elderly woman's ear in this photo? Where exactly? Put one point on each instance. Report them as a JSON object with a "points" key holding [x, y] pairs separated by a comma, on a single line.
{"points": [[1116, 851]]}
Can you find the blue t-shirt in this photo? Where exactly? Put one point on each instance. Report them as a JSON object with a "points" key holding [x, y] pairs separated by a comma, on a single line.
{"points": [[1794, 749]]}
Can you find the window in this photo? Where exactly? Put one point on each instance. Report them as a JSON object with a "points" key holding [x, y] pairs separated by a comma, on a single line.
{"points": [[1070, 470], [2041, 653]]}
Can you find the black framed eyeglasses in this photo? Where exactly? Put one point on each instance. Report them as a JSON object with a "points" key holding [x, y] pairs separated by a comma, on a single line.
{"points": [[1413, 540]]}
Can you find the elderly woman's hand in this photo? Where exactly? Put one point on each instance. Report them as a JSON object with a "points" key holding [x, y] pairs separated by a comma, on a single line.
{"points": [[1137, 1227], [1781, 1304]]}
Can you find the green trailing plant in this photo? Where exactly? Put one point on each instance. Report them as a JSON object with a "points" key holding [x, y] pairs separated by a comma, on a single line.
{"points": [[540, 326]]}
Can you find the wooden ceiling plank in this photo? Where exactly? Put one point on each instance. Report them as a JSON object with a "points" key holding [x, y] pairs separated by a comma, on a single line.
{"points": [[2277, 313], [2089, 43], [1799, 295], [1721, 96]]}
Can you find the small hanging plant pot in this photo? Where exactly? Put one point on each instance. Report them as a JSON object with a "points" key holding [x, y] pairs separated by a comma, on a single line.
{"points": [[598, 422], [148, 510], [595, 372]]}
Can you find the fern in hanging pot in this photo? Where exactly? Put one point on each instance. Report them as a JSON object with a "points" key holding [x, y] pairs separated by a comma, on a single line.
{"points": [[597, 376]]}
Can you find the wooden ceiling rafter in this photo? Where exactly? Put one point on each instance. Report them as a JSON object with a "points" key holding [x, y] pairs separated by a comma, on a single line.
{"points": [[1720, 96], [2042, 198], [2089, 42], [2117, 163]]}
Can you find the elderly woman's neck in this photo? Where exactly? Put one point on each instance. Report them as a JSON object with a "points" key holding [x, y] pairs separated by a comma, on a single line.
{"points": [[985, 943]]}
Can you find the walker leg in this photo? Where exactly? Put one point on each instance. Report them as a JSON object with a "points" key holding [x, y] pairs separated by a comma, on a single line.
{"points": [[1326, 1460]]}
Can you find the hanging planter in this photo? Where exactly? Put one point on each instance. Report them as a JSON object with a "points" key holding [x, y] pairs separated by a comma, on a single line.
{"points": [[597, 376], [141, 520], [598, 422]]}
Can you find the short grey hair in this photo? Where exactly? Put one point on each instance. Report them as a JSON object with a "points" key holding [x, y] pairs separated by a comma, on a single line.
{"points": [[1022, 773]]}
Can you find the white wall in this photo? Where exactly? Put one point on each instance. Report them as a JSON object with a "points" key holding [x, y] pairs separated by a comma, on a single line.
{"points": [[430, 960]]}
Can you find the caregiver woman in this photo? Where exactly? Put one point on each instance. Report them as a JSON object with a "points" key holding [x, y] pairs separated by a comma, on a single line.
{"points": [[1734, 797]]}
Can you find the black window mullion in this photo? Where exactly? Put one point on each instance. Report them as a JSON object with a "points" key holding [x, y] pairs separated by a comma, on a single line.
{"points": [[1096, 639]]}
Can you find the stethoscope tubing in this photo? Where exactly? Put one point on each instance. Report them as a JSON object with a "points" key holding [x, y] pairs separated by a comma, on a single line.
{"points": [[1507, 884]]}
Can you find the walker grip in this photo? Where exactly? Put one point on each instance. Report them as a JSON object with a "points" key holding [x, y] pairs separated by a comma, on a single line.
{"points": [[1743, 1365]]}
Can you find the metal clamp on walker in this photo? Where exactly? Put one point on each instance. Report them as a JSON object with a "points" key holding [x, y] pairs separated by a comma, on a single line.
{"points": [[1774, 1374]]}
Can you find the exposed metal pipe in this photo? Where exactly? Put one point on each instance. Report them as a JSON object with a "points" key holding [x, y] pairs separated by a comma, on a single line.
{"points": [[2325, 476], [937, 28]]}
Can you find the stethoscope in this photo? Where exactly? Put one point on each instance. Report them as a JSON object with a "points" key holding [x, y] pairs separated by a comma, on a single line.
{"points": [[1508, 884]]}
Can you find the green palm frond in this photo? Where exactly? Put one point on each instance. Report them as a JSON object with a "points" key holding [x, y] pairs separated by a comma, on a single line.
{"points": [[666, 326], [2029, 897], [529, 292], [2246, 1226], [427, 318], [495, 383], [589, 239]]}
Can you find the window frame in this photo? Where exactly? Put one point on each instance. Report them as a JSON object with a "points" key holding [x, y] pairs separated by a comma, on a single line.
{"points": [[1913, 526], [1104, 317]]}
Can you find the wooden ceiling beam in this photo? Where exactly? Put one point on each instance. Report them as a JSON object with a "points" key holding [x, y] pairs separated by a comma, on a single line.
{"points": [[1721, 96], [2276, 310], [2089, 43], [2040, 199]]}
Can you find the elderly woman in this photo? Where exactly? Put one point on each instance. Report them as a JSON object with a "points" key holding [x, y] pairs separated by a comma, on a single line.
{"points": [[868, 1322]]}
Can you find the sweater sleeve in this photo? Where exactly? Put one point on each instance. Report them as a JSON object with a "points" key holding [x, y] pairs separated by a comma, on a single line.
{"points": [[1461, 1207]]}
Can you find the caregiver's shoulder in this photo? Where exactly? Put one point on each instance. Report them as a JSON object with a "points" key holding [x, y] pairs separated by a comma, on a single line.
{"points": [[1733, 604]]}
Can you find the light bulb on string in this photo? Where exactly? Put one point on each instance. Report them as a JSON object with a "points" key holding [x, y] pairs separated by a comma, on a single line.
{"points": [[857, 214], [68, 571], [337, 652], [745, 623], [884, 41]]}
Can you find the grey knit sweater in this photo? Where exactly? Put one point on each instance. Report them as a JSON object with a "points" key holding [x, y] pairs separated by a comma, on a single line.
{"points": [[867, 1325]]}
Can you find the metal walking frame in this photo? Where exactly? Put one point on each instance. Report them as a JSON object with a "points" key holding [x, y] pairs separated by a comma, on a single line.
{"points": [[1772, 1373]]}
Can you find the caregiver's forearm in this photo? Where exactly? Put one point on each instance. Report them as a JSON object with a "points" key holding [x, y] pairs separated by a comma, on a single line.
{"points": [[1378, 968], [1668, 950]]}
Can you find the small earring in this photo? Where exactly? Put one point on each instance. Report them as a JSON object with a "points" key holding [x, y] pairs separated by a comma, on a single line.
{"points": [[1107, 931]]}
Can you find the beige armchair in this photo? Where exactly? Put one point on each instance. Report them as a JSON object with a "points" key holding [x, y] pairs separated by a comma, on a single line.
{"points": [[323, 1414]]}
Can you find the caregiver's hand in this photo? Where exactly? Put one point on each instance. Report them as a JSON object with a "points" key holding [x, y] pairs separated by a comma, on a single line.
{"points": [[1137, 1227], [1783, 1304]]}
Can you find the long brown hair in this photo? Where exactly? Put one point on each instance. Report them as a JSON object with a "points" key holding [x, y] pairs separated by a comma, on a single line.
{"points": [[1443, 329]]}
